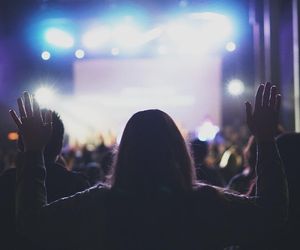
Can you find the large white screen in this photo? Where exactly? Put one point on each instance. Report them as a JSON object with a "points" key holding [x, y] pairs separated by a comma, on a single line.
{"points": [[109, 91]]}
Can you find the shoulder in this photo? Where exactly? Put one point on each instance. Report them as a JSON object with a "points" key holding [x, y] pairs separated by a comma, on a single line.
{"points": [[60, 171], [203, 189]]}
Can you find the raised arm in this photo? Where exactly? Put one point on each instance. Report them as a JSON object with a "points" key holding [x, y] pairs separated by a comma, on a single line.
{"points": [[35, 132], [271, 186], [260, 217], [36, 220], [241, 219]]}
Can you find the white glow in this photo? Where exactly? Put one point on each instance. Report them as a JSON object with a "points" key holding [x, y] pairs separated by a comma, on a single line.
{"points": [[96, 37], [162, 50], [115, 51], [150, 35], [46, 55], [222, 21], [59, 38], [79, 53], [207, 131], [236, 87], [179, 31], [209, 16], [44, 95], [189, 36], [127, 36], [230, 46]]}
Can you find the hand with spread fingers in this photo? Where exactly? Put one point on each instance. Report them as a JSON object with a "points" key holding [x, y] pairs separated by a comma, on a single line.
{"points": [[263, 120], [35, 130]]}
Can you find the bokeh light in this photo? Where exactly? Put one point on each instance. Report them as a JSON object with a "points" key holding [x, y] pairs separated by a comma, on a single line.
{"points": [[45, 55], [44, 95], [59, 38], [207, 131], [236, 87], [230, 46], [79, 53]]}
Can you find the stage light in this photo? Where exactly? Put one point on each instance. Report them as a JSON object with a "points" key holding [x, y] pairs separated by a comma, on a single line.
{"points": [[151, 35], [179, 31], [59, 38], [45, 55], [236, 87], [44, 95], [96, 37], [115, 51], [207, 131], [230, 46], [127, 36], [79, 53], [216, 27]]}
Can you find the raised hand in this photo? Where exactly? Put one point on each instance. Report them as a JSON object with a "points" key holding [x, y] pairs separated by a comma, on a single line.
{"points": [[35, 130], [263, 121]]}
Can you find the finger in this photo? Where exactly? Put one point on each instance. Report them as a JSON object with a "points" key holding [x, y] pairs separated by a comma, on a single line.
{"points": [[27, 104], [266, 95], [248, 112], [48, 117], [21, 108], [36, 109], [277, 103], [273, 97], [15, 118], [258, 97]]}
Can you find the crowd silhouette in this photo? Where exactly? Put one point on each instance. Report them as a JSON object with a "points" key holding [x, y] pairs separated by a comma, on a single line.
{"points": [[153, 191]]}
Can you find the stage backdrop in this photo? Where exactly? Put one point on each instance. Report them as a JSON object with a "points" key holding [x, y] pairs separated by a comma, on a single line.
{"points": [[108, 91]]}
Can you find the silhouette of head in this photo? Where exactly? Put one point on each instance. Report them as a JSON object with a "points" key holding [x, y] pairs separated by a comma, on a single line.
{"points": [[200, 150], [152, 155], [54, 146]]}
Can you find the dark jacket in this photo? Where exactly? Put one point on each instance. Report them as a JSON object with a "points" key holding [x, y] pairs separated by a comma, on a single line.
{"points": [[107, 218]]}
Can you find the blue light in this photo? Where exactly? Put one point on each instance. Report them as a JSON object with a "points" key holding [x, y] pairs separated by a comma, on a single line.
{"points": [[207, 131], [59, 38]]}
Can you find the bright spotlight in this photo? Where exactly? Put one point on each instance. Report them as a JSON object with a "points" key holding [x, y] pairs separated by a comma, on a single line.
{"points": [[44, 95], [236, 87], [217, 27], [59, 38], [79, 53], [127, 36], [230, 46], [45, 55], [207, 131], [96, 37]]}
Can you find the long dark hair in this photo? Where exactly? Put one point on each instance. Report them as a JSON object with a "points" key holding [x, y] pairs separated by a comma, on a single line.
{"points": [[152, 155]]}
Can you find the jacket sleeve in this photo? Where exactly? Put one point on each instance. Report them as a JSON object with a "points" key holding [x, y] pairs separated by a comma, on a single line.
{"points": [[49, 224], [239, 218]]}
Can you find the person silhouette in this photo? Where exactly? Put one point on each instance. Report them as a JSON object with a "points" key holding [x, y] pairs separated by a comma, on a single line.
{"points": [[152, 200], [59, 182]]}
